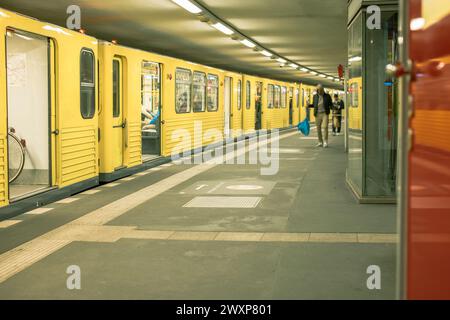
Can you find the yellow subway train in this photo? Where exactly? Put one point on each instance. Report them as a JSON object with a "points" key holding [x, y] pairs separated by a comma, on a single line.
{"points": [[77, 111]]}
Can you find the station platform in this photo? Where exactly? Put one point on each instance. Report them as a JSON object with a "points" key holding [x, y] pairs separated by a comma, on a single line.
{"points": [[208, 231]]}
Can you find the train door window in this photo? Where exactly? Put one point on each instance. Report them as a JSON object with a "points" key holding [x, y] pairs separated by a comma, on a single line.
{"points": [[277, 97], [283, 97], [213, 92], [150, 109], [270, 92], [239, 95], [28, 113], [303, 97], [117, 136], [198, 91], [297, 97], [117, 103], [183, 80], [248, 89], [87, 84]]}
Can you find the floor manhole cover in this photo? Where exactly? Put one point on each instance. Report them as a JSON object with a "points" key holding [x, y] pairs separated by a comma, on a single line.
{"points": [[223, 202], [244, 187]]}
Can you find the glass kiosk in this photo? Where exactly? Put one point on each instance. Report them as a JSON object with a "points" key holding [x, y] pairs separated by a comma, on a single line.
{"points": [[371, 99]]}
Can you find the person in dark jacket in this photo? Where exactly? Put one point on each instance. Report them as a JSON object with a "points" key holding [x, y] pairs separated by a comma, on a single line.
{"points": [[338, 106], [322, 104]]}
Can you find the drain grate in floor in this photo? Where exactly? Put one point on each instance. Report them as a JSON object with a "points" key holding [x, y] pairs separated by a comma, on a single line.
{"points": [[223, 202]]}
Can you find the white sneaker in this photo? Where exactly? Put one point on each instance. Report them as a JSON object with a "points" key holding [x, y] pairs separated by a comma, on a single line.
{"points": [[319, 144], [334, 133], [325, 145]]}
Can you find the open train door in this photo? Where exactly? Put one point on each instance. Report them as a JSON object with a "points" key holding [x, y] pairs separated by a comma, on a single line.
{"points": [[425, 149]]}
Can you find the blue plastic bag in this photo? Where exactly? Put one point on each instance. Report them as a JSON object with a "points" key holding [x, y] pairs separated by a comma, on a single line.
{"points": [[304, 127]]}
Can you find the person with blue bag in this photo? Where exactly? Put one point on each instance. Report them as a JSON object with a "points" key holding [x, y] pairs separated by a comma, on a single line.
{"points": [[322, 104]]}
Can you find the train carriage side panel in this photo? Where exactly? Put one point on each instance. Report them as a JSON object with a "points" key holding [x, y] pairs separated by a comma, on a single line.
{"points": [[185, 129], [72, 101]]}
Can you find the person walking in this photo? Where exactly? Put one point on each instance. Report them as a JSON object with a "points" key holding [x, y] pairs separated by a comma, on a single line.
{"points": [[322, 104], [338, 106]]}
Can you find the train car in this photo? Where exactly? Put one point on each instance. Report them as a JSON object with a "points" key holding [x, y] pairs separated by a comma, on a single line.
{"points": [[48, 114]]}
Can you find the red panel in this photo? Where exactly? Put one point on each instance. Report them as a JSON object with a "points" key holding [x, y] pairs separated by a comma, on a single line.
{"points": [[428, 255]]}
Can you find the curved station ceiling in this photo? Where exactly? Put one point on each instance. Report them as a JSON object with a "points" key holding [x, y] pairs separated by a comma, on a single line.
{"points": [[306, 39]]}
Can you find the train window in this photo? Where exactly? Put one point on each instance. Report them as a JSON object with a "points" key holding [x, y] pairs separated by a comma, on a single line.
{"points": [[270, 96], [239, 95], [150, 94], [297, 96], [183, 90], [283, 97], [198, 91], [248, 89], [277, 97], [87, 84], [213, 92], [116, 88], [303, 97]]}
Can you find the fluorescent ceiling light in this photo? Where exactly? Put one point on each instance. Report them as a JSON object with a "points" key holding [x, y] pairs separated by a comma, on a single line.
{"points": [[304, 69], [247, 43], [417, 24], [222, 28], [281, 60], [355, 59], [266, 53], [293, 66], [331, 78], [4, 15], [189, 6], [322, 76], [313, 72]]}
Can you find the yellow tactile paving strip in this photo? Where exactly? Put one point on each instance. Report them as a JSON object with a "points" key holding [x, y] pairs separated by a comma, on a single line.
{"points": [[311, 237], [8, 223], [90, 227]]}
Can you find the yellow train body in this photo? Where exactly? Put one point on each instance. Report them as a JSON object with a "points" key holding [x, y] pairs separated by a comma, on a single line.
{"points": [[72, 139], [190, 105]]}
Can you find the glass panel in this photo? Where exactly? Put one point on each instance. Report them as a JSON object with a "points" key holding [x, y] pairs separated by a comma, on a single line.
{"points": [[355, 135], [198, 91], [183, 91], [248, 94], [283, 97], [150, 109], [213, 92], [116, 88], [87, 84], [270, 96], [239, 95], [277, 97], [150, 96], [380, 108]]}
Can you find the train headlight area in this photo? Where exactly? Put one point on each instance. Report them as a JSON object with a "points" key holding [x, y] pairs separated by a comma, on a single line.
{"points": [[182, 150]]}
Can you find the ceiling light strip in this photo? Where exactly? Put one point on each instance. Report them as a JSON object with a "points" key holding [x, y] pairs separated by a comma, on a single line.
{"points": [[194, 8]]}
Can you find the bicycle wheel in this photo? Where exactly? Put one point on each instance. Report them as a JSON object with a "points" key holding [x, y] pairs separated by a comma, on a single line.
{"points": [[16, 157]]}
